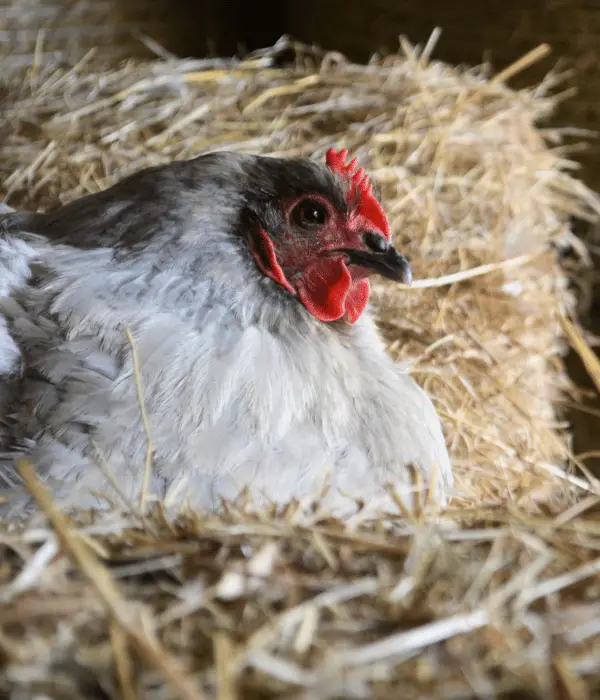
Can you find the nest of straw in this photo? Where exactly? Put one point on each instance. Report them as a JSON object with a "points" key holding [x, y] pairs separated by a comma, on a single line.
{"points": [[501, 594]]}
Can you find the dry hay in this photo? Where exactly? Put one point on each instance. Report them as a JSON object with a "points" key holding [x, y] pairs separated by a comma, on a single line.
{"points": [[502, 593]]}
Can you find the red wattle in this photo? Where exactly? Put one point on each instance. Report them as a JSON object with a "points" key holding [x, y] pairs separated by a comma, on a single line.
{"points": [[356, 300], [328, 291]]}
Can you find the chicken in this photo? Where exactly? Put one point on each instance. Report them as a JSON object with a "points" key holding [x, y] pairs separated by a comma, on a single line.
{"points": [[240, 284]]}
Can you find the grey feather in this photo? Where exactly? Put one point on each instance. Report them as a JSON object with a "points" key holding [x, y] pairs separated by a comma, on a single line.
{"points": [[242, 386]]}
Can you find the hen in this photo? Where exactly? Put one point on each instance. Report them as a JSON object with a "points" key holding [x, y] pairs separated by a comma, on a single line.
{"points": [[243, 281]]}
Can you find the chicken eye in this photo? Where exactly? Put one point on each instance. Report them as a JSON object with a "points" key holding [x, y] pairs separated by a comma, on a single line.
{"points": [[310, 213]]}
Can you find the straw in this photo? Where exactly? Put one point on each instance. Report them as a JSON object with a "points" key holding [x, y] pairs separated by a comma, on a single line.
{"points": [[496, 595]]}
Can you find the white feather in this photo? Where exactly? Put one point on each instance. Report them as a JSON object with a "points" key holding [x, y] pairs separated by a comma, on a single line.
{"points": [[242, 386]]}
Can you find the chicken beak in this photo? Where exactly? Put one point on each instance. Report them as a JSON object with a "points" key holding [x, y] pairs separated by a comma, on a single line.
{"points": [[388, 263]]}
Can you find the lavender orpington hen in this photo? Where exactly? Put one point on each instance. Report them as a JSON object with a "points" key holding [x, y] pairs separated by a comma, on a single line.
{"points": [[244, 283]]}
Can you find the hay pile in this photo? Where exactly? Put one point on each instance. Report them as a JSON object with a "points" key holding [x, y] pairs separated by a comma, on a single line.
{"points": [[501, 594]]}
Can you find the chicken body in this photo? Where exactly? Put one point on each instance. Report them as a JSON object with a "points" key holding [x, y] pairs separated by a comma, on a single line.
{"points": [[242, 385]]}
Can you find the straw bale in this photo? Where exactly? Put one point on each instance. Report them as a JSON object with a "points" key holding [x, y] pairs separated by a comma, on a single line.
{"points": [[497, 595]]}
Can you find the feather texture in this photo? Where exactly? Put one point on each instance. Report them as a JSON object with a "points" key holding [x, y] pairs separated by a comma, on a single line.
{"points": [[242, 386]]}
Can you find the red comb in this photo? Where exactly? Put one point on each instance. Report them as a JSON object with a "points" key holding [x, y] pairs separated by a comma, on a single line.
{"points": [[359, 183]]}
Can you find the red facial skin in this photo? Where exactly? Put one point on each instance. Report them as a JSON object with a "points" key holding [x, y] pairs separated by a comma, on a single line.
{"points": [[300, 263]]}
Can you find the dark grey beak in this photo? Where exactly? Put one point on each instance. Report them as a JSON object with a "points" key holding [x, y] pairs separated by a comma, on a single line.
{"points": [[388, 263]]}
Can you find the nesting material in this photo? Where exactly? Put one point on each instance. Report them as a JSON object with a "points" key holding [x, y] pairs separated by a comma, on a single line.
{"points": [[500, 594]]}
